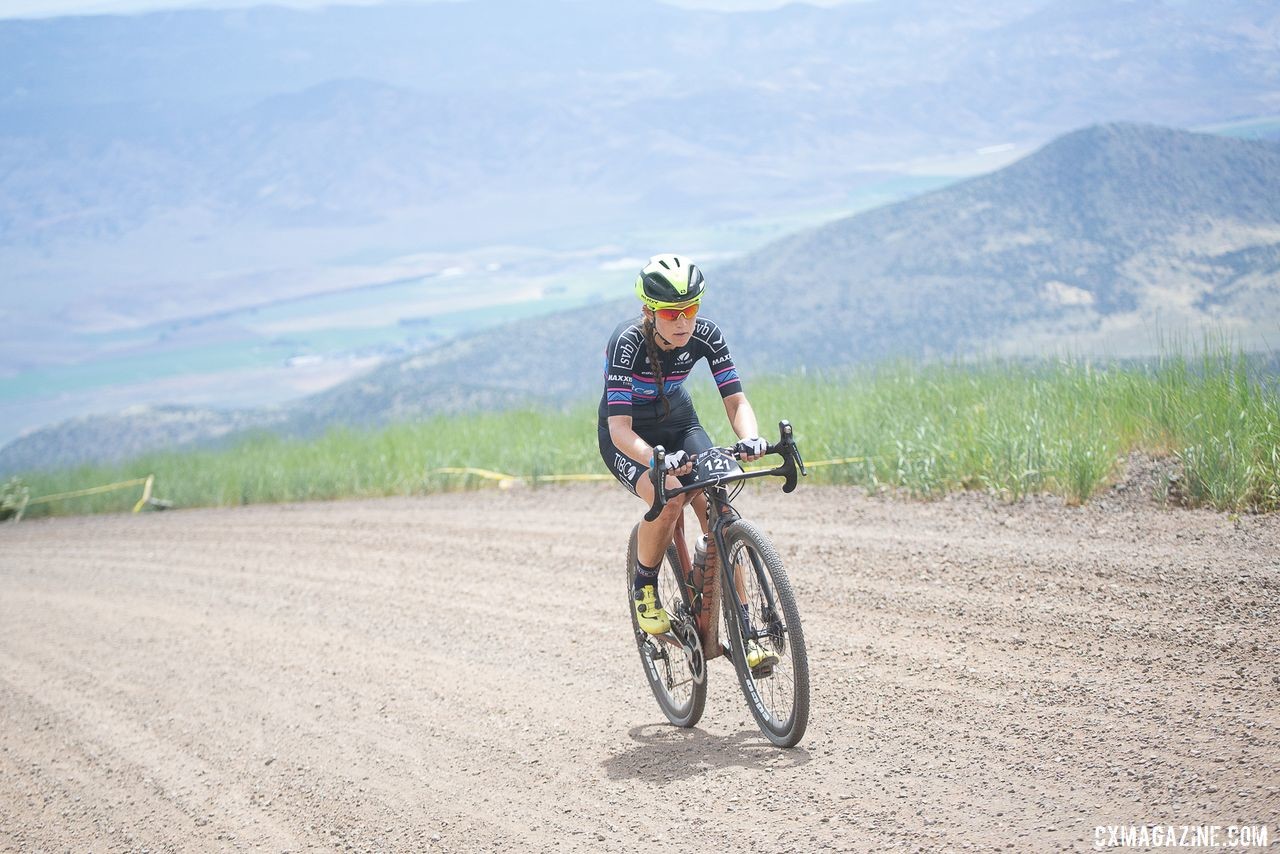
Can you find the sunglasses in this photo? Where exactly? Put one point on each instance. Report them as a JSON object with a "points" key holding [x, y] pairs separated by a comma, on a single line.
{"points": [[670, 314]]}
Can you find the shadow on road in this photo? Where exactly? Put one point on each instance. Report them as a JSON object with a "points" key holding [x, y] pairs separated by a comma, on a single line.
{"points": [[663, 753]]}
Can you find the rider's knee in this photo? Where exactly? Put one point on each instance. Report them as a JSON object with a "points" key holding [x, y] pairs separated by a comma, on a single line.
{"points": [[672, 510]]}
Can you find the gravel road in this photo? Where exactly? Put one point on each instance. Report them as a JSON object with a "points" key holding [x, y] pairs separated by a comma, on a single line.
{"points": [[456, 673]]}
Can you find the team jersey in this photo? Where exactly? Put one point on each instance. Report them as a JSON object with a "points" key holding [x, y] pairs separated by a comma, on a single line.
{"points": [[630, 387]]}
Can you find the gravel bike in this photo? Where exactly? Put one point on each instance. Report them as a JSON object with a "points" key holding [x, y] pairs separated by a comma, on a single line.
{"points": [[743, 583]]}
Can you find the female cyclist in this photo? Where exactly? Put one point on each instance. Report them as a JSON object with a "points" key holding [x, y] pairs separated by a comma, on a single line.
{"points": [[645, 404]]}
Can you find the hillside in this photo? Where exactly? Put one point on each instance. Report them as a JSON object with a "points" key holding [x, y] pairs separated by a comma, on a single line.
{"points": [[193, 203], [1098, 243], [1091, 243]]}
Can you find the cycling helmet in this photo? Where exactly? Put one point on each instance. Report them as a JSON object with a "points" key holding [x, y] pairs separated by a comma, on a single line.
{"points": [[669, 280]]}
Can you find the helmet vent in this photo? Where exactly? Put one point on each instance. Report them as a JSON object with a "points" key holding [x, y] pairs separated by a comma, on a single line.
{"points": [[664, 265]]}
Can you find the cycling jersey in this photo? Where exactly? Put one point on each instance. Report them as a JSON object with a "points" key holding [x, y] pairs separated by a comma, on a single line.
{"points": [[630, 387]]}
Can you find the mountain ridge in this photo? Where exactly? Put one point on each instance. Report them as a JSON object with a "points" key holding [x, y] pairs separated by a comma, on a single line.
{"points": [[1095, 237]]}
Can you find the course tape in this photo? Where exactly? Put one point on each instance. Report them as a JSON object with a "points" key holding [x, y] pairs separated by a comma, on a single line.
{"points": [[506, 481], [145, 482]]}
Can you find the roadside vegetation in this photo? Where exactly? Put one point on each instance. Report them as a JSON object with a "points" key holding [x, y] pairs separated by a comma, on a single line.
{"points": [[1008, 428]]}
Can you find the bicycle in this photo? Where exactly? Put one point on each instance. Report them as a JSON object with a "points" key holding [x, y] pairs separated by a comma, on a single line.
{"points": [[758, 606]]}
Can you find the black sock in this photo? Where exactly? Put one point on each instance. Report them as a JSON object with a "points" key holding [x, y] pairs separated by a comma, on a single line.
{"points": [[645, 575]]}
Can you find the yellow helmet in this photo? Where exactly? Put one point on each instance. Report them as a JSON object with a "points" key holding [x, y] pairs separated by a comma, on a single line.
{"points": [[669, 280]]}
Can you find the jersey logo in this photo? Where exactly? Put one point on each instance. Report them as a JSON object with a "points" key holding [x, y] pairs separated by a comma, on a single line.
{"points": [[684, 357]]}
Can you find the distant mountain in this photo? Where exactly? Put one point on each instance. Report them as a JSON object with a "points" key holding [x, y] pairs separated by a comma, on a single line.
{"points": [[1097, 243], [1092, 242], [350, 114], [136, 431], [157, 169]]}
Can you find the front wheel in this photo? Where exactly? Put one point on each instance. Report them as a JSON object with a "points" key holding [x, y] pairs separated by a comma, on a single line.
{"points": [[676, 672], [765, 613]]}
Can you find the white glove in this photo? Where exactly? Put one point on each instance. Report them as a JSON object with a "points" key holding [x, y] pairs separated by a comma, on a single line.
{"points": [[675, 460], [753, 447]]}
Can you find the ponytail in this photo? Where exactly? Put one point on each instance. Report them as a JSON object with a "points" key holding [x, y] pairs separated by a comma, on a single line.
{"points": [[655, 361]]}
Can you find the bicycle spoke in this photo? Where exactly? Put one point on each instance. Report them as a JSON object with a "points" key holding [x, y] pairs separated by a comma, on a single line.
{"points": [[778, 694]]}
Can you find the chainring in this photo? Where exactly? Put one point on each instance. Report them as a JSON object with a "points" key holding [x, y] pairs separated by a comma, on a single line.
{"points": [[684, 628]]}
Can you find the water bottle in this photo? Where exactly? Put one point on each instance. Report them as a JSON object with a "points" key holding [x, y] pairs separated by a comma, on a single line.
{"points": [[700, 552]]}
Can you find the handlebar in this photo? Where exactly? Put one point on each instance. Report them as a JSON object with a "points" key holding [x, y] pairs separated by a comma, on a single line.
{"points": [[792, 466]]}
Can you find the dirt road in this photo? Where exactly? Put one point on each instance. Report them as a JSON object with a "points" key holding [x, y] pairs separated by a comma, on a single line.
{"points": [[457, 673]]}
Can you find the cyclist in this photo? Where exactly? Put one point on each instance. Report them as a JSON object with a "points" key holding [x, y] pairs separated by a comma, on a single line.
{"points": [[645, 404]]}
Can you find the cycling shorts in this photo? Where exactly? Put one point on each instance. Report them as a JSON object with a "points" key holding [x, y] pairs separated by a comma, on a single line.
{"points": [[681, 430]]}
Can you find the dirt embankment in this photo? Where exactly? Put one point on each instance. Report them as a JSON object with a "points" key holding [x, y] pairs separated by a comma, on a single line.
{"points": [[456, 673]]}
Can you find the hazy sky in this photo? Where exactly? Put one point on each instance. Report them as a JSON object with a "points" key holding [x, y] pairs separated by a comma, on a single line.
{"points": [[54, 8]]}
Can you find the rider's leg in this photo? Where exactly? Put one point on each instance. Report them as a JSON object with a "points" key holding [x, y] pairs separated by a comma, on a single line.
{"points": [[651, 544], [653, 537], [699, 503], [694, 441]]}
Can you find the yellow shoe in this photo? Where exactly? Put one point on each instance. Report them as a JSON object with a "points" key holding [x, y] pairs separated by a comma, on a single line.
{"points": [[649, 613], [760, 656]]}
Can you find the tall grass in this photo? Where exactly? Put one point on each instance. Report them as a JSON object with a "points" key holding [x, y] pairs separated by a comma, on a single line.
{"points": [[1008, 428]]}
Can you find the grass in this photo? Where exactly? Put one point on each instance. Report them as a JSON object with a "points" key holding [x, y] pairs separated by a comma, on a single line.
{"points": [[1007, 428]]}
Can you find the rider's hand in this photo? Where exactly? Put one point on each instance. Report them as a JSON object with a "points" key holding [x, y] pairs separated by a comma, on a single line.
{"points": [[751, 449], [678, 463]]}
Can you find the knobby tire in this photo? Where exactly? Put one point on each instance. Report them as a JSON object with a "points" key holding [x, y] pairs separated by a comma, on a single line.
{"points": [[779, 701]]}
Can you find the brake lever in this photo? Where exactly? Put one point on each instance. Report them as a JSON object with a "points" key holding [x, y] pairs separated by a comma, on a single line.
{"points": [[659, 481], [791, 454]]}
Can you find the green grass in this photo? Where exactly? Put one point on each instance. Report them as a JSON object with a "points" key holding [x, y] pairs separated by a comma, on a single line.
{"points": [[1006, 428], [1062, 427]]}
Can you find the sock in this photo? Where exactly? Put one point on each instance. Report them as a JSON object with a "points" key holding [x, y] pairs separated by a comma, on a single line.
{"points": [[645, 575]]}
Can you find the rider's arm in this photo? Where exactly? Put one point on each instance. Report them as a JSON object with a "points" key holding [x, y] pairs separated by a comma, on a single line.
{"points": [[725, 374], [742, 417], [627, 440]]}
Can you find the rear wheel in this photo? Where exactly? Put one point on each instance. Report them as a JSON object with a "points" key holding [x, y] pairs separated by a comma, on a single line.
{"points": [[676, 674], [778, 695]]}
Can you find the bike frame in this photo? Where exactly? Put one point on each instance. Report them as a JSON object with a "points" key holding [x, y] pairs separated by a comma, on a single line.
{"points": [[720, 514]]}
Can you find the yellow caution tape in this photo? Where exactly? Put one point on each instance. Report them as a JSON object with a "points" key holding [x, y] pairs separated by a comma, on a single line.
{"points": [[145, 482], [839, 462], [146, 494], [485, 473], [506, 481], [572, 477], [93, 490]]}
